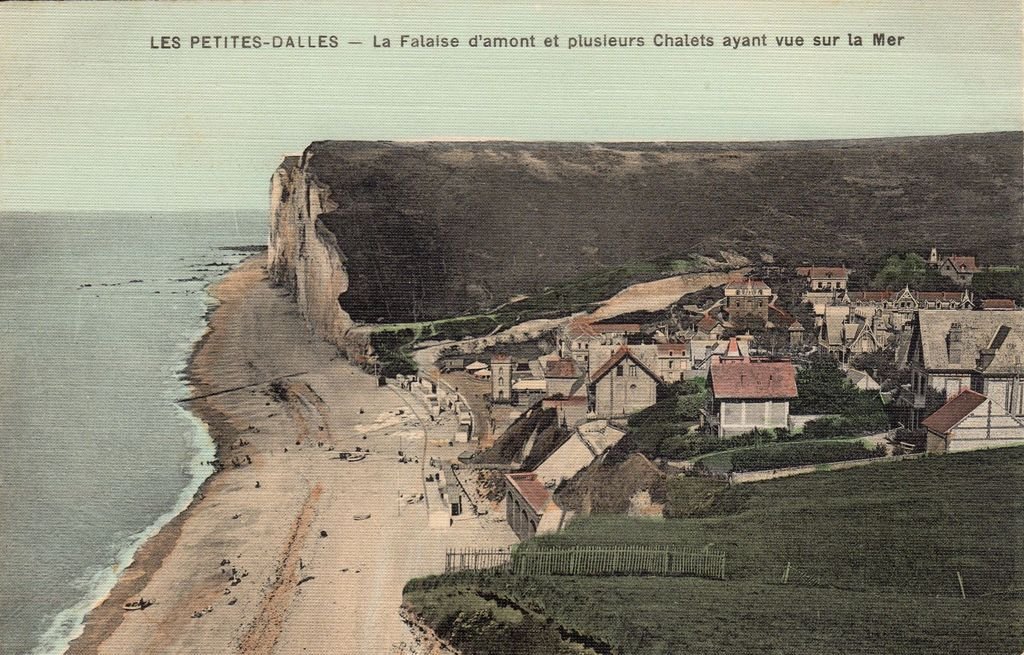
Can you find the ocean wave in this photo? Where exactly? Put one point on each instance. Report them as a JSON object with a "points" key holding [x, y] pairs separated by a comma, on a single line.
{"points": [[69, 623]]}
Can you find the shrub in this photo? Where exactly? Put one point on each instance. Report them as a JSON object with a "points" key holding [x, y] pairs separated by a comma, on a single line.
{"points": [[784, 456]]}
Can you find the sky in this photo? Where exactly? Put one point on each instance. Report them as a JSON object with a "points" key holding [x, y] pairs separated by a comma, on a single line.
{"points": [[92, 117]]}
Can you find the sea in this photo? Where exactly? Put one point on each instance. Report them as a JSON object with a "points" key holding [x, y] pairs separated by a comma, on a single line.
{"points": [[100, 311]]}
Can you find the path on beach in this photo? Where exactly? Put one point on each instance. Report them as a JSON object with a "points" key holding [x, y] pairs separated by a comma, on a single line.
{"points": [[286, 567]]}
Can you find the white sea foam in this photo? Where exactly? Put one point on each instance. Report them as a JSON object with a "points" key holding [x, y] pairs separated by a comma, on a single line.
{"points": [[69, 624]]}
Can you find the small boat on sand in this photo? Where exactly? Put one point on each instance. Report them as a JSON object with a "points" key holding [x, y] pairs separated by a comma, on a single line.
{"points": [[139, 604], [360, 517], [356, 457]]}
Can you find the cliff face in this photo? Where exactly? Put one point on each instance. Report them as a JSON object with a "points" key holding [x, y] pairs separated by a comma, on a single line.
{"points": [[394, 232], [302, 254]]}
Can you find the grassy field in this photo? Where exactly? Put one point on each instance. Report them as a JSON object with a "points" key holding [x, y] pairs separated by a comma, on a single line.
{"points": [[873, 555]]}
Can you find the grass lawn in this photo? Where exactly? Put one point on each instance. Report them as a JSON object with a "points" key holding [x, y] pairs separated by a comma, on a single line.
{"points": [[722, 461], [873, 551]]}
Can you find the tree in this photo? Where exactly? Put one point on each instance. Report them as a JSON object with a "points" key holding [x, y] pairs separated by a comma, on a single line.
{"points": [[1000, 284], [911, 270], [822, 387]]}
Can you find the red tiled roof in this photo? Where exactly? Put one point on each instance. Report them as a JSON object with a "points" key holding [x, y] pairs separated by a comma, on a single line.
{"points": [[621, 354], [732, 349], [964, 263], [823, 272], [531, 489], [949, 415], [755, 380], [938, 295], [561, 368], [999, 303], [707, 323]]}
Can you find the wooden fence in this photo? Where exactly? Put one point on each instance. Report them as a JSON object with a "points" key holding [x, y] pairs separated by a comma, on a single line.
{"points": [[619, 560], [593, 560], [475, 559]]}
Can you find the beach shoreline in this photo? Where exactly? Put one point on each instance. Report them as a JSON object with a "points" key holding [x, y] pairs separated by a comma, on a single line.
{"points": [[106, 614], [267, 557]]}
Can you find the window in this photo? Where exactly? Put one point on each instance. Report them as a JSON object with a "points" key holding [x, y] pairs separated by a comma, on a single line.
{"points": [[618, 371], [670, 363], [632, 371]]}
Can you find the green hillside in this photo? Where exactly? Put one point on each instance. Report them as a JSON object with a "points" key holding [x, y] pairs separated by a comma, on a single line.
{"points": [[873, 555], [431, 230]]}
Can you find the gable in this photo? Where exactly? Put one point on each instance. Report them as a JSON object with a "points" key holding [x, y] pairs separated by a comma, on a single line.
{"points": [[619, 358]]}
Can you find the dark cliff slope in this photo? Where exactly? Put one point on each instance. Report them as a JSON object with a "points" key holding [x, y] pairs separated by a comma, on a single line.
{"points": [[429, 230]]}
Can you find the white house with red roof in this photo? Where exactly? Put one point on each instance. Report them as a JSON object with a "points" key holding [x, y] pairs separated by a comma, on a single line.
{"points": [[970, 421], [825, 278], [622, 385], [745, 394]]}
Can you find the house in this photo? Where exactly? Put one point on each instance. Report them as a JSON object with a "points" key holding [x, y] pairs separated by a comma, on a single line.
{"points": [[561, 375], [746, 394], [953, 350], [624, 384], [587, 342], [959, 268], [999, 304], [710, 326], [586, 443], [529, 506], [825, 278], [970, 421], [449, 363], [527, 391], [673, 360], [897, 308], [845, 332], [747, 299]]}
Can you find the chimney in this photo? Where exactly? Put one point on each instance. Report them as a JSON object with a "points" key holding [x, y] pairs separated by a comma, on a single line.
{"points": [[985, 357], [954, 343]]}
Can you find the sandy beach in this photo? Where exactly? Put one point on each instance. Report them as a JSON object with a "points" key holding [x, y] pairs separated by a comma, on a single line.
{"points": [[288, 548]]}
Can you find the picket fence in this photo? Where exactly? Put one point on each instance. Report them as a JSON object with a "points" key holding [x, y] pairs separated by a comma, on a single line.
{"points": [[593, 560]]}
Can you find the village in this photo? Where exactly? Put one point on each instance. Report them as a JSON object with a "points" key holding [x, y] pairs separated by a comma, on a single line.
{"points": [[778, 372]]}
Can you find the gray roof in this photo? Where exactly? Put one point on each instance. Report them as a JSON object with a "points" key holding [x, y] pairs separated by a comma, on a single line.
{"points": [[1003, 332]]}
